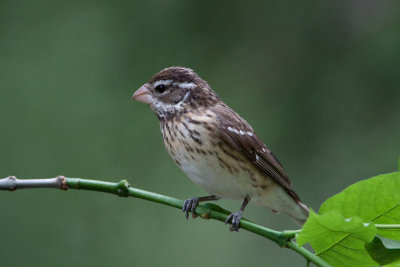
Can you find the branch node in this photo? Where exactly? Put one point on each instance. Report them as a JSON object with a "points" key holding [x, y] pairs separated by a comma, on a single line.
{"points": [[13, 183], [123, 188], [205, 215], [285, 237], [289, 234], [63, 182]]}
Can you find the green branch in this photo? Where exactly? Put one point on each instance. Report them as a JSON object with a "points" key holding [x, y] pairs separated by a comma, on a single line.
{"points": [[123, 189]]}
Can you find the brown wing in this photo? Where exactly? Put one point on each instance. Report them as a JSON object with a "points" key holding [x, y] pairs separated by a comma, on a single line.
{"points": [[238, 134]]}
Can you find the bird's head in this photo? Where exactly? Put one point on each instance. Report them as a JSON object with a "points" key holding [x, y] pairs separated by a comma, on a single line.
{"points": [[175, 90]]}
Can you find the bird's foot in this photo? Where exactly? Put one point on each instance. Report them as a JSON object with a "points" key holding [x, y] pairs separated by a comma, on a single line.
{"points": [[189, 206], [235, 219]]}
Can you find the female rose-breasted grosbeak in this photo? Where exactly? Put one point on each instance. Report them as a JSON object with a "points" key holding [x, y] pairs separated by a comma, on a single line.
{"points": [[215, 147]]}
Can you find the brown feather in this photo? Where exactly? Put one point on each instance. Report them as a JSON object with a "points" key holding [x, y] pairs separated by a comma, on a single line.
{"points": [[251, 146]]}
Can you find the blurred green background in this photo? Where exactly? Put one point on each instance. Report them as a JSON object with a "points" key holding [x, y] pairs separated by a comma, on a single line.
{"points": [[318, 80]]}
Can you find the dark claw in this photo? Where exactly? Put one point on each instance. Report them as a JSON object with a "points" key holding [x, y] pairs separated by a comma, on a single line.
{"points": [[189, 206], [235, 219]]}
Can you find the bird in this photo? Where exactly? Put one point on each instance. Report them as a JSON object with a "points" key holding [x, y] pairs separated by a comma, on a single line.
{"points": [[216, 148]]}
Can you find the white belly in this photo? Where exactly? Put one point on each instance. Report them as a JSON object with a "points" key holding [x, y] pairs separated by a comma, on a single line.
{"points": [[207, 173]]}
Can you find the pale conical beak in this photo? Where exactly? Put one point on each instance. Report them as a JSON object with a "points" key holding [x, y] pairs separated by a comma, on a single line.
{"points": [[143, 95]]}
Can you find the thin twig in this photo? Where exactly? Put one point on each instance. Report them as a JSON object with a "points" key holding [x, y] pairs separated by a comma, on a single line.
{"points": [[11, 183], [123, 189]]}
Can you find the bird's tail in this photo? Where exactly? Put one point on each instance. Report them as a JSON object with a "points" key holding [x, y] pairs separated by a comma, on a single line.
{"points": [[300, 214]]}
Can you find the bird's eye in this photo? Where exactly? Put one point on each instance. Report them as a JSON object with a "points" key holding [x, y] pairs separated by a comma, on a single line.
{"points": [[161, 88]]}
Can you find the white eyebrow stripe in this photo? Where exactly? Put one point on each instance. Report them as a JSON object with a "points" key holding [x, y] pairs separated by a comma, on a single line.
{"points": [[163, 82], [186, 85]]}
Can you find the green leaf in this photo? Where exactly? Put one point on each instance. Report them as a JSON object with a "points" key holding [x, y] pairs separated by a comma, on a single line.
{"points": [[328, 229], [398, 166], [375, 201], [393, 264], [384, 250], [332, 230]]}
